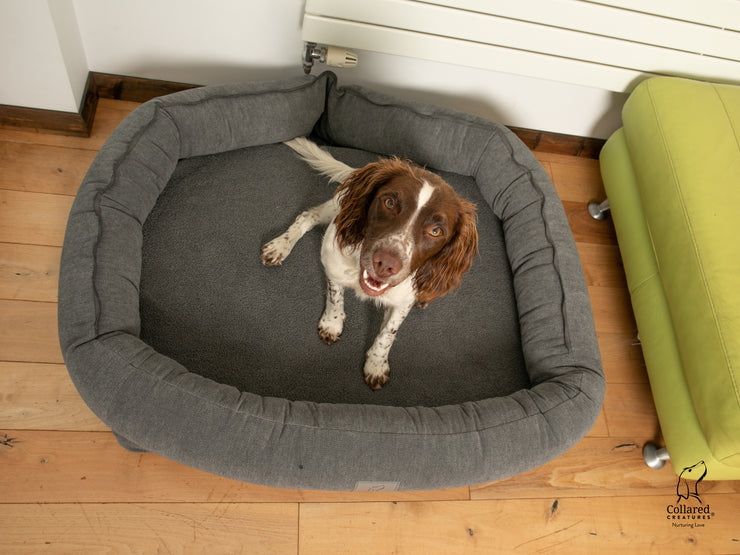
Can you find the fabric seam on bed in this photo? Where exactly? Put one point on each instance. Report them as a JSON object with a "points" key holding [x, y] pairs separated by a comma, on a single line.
{"points": [[163, 103], [97, 205]]}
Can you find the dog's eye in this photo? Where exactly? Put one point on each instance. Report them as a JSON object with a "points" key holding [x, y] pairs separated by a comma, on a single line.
{"points": [[389, 203], [435, 231]]}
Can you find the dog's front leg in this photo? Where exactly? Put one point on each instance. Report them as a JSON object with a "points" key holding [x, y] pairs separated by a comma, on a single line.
{"points": [[377, 370], [277, 250], [331, 323]]}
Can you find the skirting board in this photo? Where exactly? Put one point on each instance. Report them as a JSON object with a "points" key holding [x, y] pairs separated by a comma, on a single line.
{"points": [[52, 121], [136, 89]]}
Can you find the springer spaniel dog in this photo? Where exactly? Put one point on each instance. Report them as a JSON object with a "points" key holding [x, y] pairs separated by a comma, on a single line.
{"points": [[397, 234]]}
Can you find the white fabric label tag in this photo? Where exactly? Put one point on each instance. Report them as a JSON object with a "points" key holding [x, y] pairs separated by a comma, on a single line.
{"points": [[377, 486]]}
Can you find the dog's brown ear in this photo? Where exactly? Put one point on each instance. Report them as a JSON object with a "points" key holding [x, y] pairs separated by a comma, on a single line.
{"points": [[444, 271], [357, 193]]}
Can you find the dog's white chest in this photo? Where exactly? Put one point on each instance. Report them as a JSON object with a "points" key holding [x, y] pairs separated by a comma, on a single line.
{"points": [[341, 267]]}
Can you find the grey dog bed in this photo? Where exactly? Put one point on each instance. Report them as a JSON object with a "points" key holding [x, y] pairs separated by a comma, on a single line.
{"points": [[182, 342]]}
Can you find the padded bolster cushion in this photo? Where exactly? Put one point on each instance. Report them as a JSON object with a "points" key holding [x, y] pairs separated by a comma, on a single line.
{"points": [[687, 162], [154, 403]]}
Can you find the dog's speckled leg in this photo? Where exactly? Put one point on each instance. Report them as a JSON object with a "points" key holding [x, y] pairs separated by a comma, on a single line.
{"points": [[277, 250], [331, 323], [377, 370]]}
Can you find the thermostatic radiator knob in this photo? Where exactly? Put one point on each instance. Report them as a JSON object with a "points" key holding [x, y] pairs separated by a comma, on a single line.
{"points": [[333, 56]]}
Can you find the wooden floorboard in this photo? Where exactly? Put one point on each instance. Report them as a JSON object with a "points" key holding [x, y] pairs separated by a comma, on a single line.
{"points": [[28, 332], [29, 272], [67, 486], [37, 396], [150, 528], [42, 168], [546, 525], [33, 218]]}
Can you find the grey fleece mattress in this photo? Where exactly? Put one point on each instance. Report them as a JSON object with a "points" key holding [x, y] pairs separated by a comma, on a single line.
{"points": [[185, 345], [209, 303]]}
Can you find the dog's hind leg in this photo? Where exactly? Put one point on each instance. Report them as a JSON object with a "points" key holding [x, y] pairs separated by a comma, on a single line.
{"points": [[277, 250]]}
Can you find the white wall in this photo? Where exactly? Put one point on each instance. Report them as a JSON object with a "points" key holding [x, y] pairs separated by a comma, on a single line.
{"points": [[39, 59], [70, 45], [194, 41]]}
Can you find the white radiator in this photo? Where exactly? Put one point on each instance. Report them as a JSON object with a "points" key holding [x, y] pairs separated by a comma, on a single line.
{"points": [[606, 44]]}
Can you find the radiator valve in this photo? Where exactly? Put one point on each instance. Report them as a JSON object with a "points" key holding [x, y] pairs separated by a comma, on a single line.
{"points": [[330, 55]]}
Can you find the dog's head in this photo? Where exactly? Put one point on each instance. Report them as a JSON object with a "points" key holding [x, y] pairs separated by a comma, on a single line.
{"points": [[406, 221]]}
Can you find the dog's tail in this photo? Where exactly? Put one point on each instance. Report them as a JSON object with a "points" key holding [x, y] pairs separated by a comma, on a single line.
{"points": [[320, 160]]}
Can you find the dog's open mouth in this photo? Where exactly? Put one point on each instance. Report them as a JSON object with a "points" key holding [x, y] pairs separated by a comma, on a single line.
{"points": [[372, 286]]}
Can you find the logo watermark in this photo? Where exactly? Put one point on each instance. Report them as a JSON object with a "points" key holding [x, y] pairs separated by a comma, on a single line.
{"points": [[689, 511]]}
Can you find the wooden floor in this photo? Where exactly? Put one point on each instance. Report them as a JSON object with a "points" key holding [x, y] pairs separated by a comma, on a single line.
{"points": [[67, 487]]}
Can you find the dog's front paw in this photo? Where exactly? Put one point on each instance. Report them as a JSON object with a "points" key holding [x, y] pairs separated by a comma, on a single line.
{"points": [[275, 251], [377, 371], [330, 328]]}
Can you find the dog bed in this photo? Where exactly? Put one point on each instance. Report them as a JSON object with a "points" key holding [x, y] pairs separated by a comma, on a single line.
{"points": [[182, 342]]}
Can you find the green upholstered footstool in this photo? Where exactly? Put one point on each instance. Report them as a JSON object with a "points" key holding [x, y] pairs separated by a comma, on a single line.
{"points": [[672, 177]]}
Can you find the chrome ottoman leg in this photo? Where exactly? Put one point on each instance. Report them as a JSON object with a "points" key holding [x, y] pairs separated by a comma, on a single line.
{"points": [[655, 456]]}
